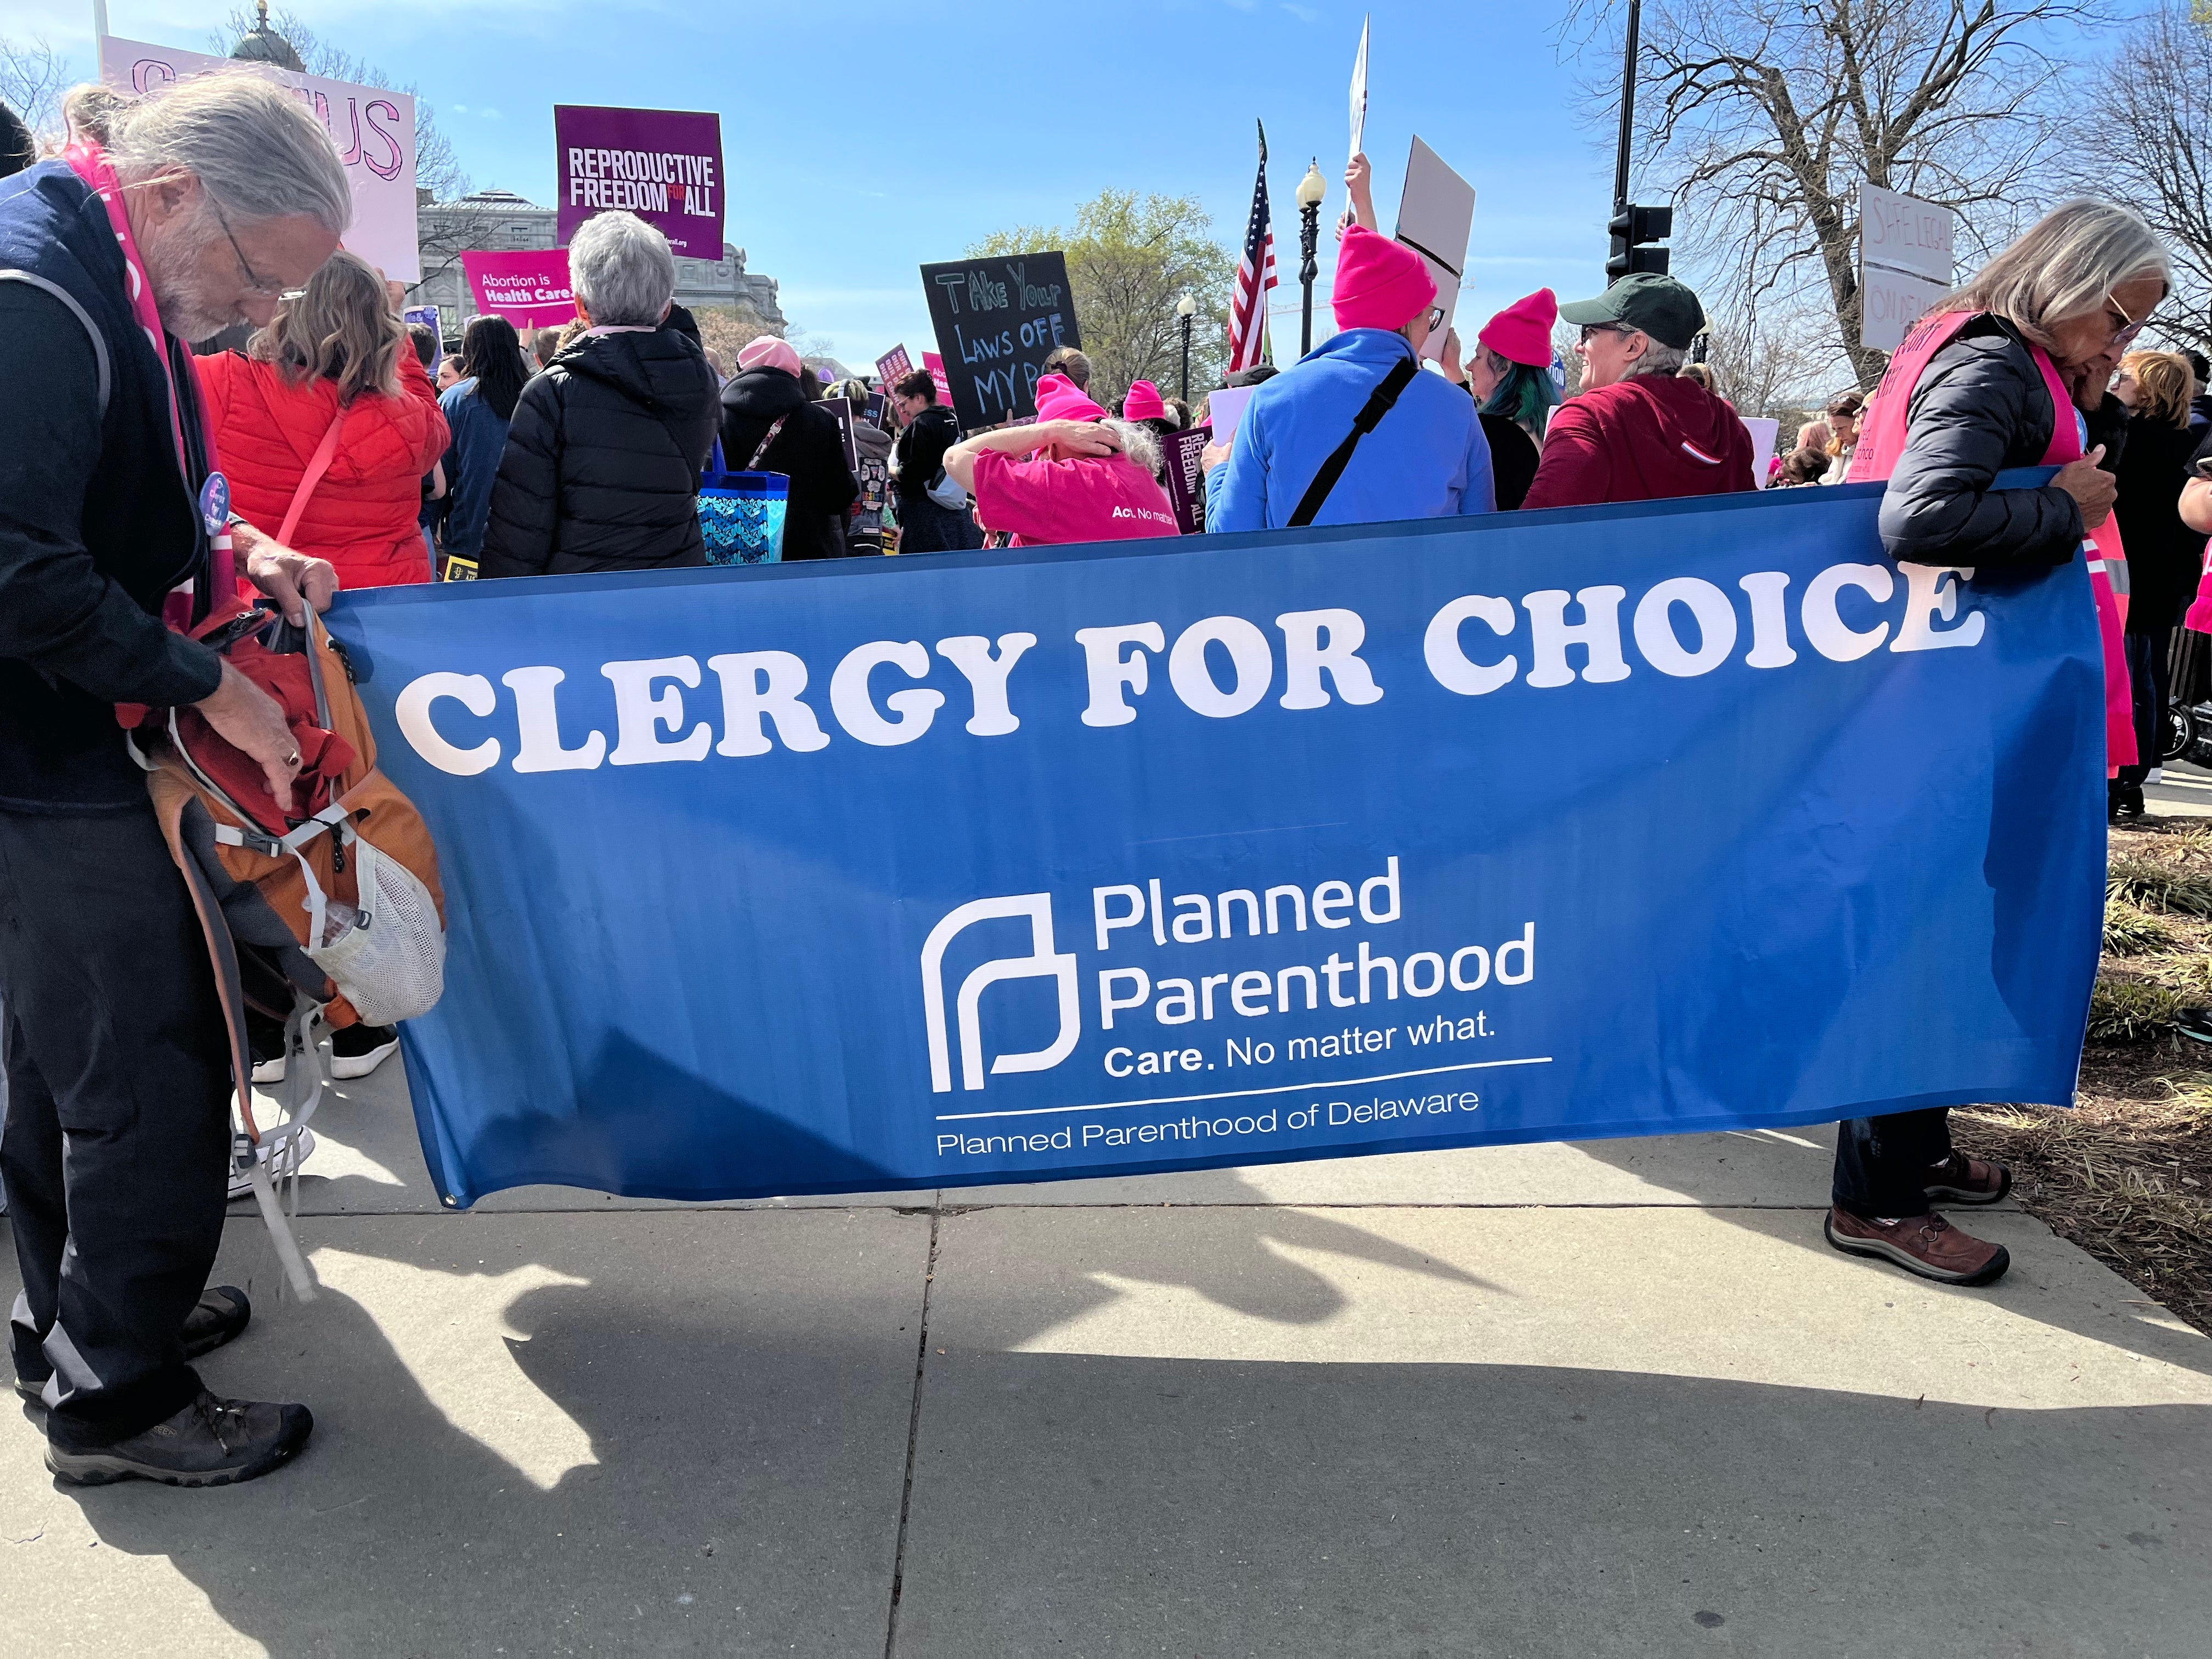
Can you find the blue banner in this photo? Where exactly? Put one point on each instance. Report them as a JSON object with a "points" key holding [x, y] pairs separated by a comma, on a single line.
{"points": [[930, 872]]}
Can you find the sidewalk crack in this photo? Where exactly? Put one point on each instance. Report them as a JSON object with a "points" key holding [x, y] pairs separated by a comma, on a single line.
{"points": [[913, 1432]]}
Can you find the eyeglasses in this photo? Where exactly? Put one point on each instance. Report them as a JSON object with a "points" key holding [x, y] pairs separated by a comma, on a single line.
{"points": [[254, 280], [1590, 331], [2124, 335], [1436, 318]]}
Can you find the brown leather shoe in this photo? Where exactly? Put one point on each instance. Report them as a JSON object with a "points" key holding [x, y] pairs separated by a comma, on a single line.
{"points": [[1924, 1245], [1962, 1180]]}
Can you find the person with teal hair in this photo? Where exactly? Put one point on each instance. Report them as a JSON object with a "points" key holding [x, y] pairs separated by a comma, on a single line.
{"points": [[1510, 377]]}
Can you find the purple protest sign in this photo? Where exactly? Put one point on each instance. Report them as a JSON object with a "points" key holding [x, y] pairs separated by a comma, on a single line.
{"points": [[1186, 483], [529, 288], [893, 366], [663, 165]]}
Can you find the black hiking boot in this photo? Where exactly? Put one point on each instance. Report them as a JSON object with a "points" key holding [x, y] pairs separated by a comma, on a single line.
{"points": [[222, 1313], [211, 1443]]}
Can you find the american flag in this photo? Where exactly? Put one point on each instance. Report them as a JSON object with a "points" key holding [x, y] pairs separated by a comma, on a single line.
{"points": [[1255, 274]]}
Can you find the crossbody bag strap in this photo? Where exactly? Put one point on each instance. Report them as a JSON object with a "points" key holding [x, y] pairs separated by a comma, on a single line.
{"points": [[774, 426], [325, 451], [1378, 405]]}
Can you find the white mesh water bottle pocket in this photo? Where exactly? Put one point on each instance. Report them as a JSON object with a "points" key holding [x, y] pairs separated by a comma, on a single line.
{"points": [[391, 963]]}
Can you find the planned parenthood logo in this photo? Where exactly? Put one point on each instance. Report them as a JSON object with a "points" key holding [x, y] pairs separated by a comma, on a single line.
{"points": [[1042, 962]]}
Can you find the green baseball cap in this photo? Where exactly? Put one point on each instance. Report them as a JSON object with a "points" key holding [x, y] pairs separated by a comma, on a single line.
{"points": [[1657, 306]]}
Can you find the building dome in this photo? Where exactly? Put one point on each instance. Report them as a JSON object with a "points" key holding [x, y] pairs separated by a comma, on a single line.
{"points": [[262, 45]]}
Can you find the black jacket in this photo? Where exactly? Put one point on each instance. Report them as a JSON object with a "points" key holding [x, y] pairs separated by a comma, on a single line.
{"points": [[810, 451], [1513, 457], [1981, 407], [601, 470], [97, 521], [2164, 555], [918, 455]]}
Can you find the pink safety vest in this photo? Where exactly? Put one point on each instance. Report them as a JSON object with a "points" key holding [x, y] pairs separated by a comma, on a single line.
{"points": [[1881, 443]]}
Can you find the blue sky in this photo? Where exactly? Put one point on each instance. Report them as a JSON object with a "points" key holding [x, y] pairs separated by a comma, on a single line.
{"points": [[863, 137]]}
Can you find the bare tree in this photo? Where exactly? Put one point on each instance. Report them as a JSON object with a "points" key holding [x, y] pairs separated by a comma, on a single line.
{"points": [[33, 77], [2156, 152], [1130, 259], [437, 167], [1762, 117], [1786, 362]]}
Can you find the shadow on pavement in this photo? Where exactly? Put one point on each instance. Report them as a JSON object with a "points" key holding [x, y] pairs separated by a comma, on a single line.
{"points": [[2103, 1318], [1219, 1507]]}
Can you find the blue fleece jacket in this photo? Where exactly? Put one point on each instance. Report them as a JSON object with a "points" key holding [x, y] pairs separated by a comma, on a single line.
{"points": [[479, 439], [1428, 459]]}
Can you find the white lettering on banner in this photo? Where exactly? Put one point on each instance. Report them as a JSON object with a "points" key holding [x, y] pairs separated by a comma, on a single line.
{"points": [[1306, 659], [539, 720], [1926, 595], [1825, 629], [1655, 627], [1452, 668], [1770, 620], [413, 711], [1248, 656], [639, 715], [849, 701], [986, 677], [1598, 634], [763, 692]]}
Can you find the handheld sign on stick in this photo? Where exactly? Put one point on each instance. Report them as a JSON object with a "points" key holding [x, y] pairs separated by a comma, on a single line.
{"points": [[1436, 213], [1359, 92]]}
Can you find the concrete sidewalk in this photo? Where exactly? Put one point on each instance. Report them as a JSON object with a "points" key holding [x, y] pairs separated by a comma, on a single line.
{"points": [[1616, 1398]]}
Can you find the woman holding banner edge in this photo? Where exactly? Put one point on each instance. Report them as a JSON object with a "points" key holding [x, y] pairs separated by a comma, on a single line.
{"points": [[2001, 374]]}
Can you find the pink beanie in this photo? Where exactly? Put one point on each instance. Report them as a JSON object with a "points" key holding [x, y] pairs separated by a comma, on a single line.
{"points": [[1143, 403], [1380, 283], [769, 352], [1057, 399], [1521, 333]]}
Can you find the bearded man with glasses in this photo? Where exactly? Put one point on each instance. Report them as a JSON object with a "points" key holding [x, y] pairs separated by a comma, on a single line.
{"points": [[168, 219]]}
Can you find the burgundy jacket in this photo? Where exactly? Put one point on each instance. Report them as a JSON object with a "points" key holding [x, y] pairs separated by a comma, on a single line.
{"points": [[1646, 439]]}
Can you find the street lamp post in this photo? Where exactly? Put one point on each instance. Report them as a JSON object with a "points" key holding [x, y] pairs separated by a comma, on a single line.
{"points": [[1185, 313], [1312, 189]]}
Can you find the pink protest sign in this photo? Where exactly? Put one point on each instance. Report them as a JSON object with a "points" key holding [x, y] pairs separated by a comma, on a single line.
{"points": [[529, 288], [935, 364], [892, 365], [373, 128], [663, 165]]}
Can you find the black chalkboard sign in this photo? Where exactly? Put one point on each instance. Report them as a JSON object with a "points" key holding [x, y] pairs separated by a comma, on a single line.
{"points": [[997, 320]]}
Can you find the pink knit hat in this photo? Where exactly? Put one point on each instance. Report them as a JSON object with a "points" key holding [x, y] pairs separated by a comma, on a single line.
{"points": [[1521, 333], [1143, 403], [1380, 283], [1057, 399], [769, 352]]}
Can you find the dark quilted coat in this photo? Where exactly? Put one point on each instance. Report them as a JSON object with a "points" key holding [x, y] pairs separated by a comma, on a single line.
{"points": [[602, 465], [362, 515]]}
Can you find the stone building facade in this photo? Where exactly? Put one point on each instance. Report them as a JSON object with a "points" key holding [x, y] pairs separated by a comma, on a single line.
{"points": [[498, 221]]}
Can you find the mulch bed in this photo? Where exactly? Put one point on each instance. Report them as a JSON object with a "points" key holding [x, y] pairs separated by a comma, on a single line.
{"points": [[2127, 1174]]}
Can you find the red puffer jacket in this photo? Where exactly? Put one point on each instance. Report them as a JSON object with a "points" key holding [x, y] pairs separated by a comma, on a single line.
{"points": [[362, 516]]}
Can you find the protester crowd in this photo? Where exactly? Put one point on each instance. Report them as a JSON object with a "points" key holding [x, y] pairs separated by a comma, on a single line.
{"points": [[356, 455]]}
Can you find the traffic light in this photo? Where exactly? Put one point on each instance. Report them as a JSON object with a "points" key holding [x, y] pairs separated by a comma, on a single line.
{"points": [[1632, 228]]}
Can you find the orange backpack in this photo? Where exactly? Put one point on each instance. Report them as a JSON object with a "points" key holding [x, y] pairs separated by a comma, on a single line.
{"points": [[322, 913]]}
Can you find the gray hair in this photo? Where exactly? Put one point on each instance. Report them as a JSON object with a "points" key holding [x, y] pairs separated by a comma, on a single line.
{"points": [[621, 270], [242, 132], [1657, 359], [1137, 443], [2062, 267]]}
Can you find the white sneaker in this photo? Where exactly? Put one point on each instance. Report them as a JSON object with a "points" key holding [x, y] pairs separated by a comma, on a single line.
{"points": [[282, 1157], [360, 1050], [269, 1071]]}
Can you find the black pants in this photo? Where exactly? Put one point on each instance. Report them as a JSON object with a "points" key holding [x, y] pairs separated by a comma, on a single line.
{"points": [[1882, 1163], [115, 1151], [925, 527], [2150, 669]]}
